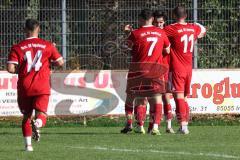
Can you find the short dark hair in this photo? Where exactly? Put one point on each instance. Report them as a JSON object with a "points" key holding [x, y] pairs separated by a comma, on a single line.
{"points": [[31, 24], [179, 12], [146, 14], [159, 14]]}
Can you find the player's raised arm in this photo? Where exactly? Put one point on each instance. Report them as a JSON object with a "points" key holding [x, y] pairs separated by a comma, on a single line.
{"points": [[201, 30], [12, 61], [130, 38], [128, 29]]}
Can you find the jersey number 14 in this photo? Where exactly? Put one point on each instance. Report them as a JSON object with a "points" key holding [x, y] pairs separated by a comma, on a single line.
{"points": [[36, 62]]}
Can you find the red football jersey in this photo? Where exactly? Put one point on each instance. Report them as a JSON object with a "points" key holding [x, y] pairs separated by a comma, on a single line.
{"points": [[147, 46], [33, 56], [182, 38]]}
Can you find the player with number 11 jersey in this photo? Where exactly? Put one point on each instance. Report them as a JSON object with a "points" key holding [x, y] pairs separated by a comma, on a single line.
{"points": [[182, 36]]}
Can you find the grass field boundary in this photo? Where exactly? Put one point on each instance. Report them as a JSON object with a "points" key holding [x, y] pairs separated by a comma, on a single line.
{"points": [[119, 121]]}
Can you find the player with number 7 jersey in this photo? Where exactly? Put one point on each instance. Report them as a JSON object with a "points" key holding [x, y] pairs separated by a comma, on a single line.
{"points": [[145, 81], [31, 59], [147, 60]]}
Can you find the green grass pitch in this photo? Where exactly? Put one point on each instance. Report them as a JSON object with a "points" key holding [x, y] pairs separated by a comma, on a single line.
{"points": [[106, 143]]}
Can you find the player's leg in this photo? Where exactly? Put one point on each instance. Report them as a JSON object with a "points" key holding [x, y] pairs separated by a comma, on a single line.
{"points": [[179, 80], [186, 93], [40, 105], [155, 102], [27, 131], [129, 113], [140, 113], [187, 109], [151, 117], [37, 123], [26, 109], [181, 115], [167, 108]]}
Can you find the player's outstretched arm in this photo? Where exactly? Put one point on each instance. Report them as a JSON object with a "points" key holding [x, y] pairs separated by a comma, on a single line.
{"points": [[12, 68]]}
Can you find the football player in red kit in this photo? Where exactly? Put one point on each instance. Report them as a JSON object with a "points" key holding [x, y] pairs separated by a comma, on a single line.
{"points": [[129, 98], [30, 59], [145, 76], [159, 21], [182, 36]]}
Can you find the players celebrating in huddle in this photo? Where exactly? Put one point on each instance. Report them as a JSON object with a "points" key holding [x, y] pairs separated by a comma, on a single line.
{"points": [[31, 60], [161, 65], [146, 49]]}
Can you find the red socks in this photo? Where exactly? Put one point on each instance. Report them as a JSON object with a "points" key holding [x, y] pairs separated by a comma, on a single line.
{"points": [[140, 114], [129, 113], [168, 111], [155, 115], [158, 113], [26, 124], [181, 110], [41, 120], [187, 111], [26, 128]]}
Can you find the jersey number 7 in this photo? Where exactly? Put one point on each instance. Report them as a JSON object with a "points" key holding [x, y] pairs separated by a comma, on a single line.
{"points": [[154, 42]]}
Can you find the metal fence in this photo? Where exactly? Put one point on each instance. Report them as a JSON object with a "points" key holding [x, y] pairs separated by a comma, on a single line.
{"points": [[89, 32]]}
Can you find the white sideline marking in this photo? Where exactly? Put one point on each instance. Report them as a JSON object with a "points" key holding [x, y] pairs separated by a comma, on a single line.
{"points": [[215, 155]]}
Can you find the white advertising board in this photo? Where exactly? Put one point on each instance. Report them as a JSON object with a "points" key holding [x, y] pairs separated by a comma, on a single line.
{"points": [[103, 92]]}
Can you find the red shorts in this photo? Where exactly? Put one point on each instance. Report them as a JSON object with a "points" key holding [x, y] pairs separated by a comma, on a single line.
{"points": [[145, 87], [28, 104], [181, 82]]}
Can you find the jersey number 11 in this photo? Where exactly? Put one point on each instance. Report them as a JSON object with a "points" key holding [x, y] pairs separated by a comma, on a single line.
{"points": [[186, 39]]}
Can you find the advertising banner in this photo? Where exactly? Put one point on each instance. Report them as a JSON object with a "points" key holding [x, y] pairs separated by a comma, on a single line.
{"points": [[103, 92]]}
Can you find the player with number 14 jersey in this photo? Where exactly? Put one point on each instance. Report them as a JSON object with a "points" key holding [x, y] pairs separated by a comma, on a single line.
{"points": [[31, 59], [33, 55]]}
